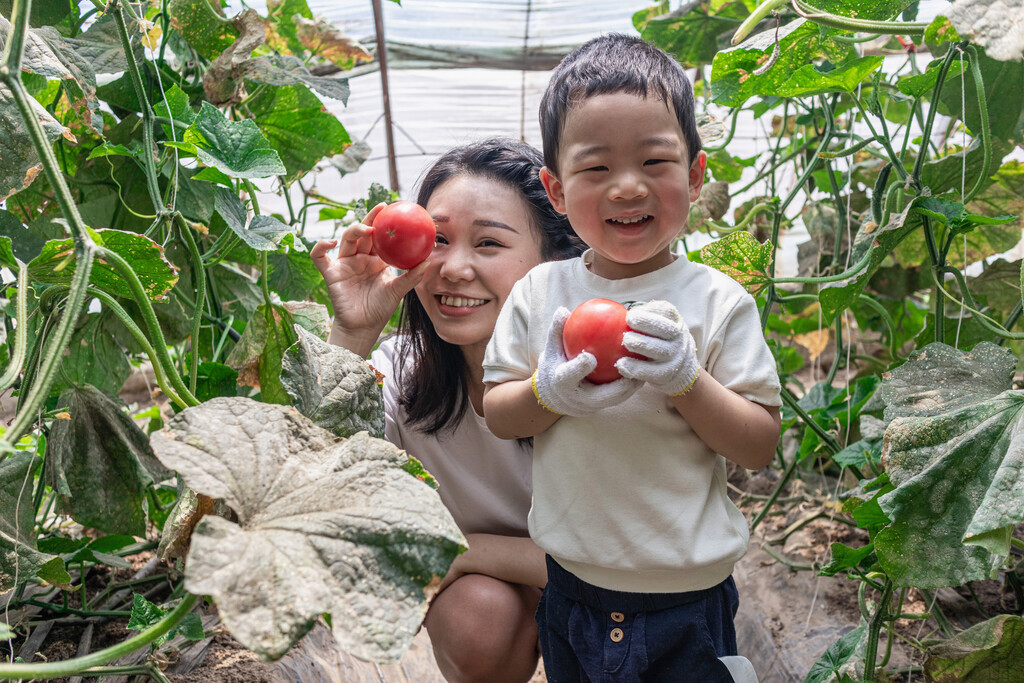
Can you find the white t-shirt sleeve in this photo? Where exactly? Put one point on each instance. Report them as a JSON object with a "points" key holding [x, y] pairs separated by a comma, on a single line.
{"points": [[382, 359], [508, 352], [739, 358]]}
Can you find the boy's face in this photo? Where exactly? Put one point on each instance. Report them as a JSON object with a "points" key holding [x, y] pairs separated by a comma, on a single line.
{"points": [[624, 180]]}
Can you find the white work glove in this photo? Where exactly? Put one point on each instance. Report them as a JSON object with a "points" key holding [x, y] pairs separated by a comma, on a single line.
{"points": [[560, 384], [662, 337]]}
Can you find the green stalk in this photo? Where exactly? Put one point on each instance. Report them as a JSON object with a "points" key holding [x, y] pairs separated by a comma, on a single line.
{"points": [[839, 352], [847, 151], [819, 16], [728, 138], [149, 317], [926, 133], [986, 133], [972, 307], [790, 400], [786, 476], [199, 281], [148, 142], [874, 629], [849, 272], [71, 667], [20, 332]]}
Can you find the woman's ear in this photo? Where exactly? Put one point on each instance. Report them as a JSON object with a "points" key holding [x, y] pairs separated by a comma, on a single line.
{"points": [[696, 178], [553, 186]]}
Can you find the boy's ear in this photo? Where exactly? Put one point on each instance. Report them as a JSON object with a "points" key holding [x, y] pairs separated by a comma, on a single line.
{"points": [[553, 186], [697, 169]]}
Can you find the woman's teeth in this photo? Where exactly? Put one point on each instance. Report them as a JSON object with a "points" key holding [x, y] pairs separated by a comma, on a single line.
{"points": [[460, 302]]}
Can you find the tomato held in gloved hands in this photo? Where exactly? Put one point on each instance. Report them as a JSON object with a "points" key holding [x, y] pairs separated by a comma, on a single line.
{"points": [[403, 234], [597, 326]]}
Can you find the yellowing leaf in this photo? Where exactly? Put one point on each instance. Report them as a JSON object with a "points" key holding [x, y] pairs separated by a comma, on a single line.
{"points": [[815, 341]]}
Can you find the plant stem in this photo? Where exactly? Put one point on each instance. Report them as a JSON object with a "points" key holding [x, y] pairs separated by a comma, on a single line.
{"points": [[17, 361], [819, 16], [986, 133], [790, 400], [199, 282], [755, 18], [926, 133], [71, 667], [874, 629], [148, 142], [790, 468]]}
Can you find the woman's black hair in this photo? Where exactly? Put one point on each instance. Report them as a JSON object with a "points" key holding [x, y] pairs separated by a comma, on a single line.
{"points": [[435, 391]]}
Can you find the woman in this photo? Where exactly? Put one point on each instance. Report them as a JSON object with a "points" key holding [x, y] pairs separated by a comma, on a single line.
{"points": [[494, 223]]}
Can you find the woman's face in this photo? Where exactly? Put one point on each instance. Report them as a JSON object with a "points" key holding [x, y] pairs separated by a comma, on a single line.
{"points": [[485, 242]]}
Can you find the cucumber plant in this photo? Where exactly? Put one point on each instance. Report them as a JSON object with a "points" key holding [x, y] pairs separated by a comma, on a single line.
{"points": [[136, 139], [906, 173]]}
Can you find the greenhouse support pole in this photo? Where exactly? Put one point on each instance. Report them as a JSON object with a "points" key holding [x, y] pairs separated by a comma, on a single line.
{"points": [[382, 57]]}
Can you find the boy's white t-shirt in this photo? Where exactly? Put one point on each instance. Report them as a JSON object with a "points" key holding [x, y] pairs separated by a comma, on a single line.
{"points": [[484, 481], [630, 498]]}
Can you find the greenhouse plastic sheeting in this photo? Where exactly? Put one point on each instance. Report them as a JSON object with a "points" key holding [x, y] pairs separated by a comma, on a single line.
{"points": [[437, 107]]}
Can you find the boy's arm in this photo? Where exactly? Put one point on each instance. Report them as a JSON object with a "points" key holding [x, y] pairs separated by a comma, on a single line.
{"points": [[735, 427], [512, 411]]}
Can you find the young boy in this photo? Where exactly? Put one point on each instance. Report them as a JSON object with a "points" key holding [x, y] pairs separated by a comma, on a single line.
{"points": [[629, 478]]}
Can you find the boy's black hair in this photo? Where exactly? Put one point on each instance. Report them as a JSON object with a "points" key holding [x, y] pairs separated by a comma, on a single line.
{"points": [[615, 63], [434, 374]]}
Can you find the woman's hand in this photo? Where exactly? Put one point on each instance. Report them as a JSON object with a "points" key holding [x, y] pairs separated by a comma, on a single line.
{"points": [[364, 291]]}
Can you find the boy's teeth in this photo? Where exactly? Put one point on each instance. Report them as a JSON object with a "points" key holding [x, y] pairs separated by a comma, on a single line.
{"points": [[460, 302], [630, 221]]}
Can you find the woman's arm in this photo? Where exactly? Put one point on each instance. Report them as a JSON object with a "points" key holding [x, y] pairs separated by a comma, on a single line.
{"points": [[509, 558], [364, 291], [735, 427]]}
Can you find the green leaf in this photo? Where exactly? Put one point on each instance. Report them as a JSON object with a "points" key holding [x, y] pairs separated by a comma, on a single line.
{"points": [[100, 463], [55, 265], [298, 127], [283, 70], [292, 273], [924, 84], [844, 557], [999, 285], [27, 240], [741, 257], [93, 357], [693, 35], [44, 13], [954, 454], [146, 614], [206, 31], [215, 379], [837, 657], [236, 148], [809, 80], [733, 80], [865, 9], [19, 163], [281, 27], [1005, 114], [368, 540], [332, 386], [257, 355], [989, 652], [262, 233], [174, 106]]}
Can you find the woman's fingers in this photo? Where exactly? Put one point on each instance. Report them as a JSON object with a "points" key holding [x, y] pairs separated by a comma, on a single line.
{"points": [[373, 213], [356, 239], [404, 283], [319, 256]]}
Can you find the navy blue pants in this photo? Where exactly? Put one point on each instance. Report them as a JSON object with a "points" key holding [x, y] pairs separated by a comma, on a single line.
{"points": [[593, 635]]}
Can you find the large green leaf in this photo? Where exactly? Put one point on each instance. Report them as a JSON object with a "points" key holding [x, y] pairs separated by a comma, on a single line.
{"points": [[236, 148], [733, 80], [208, 32], [840, 658], [298, 127], [333, 386], [27, 240], [1005, 114], [100, 463], [864, 9], [93, 358], [811, 80], [45, 13], [693, 35], [955, 452], [19, 163], [324, 526], [281, 27], [741, 257], [989, 652], [55, 265]]}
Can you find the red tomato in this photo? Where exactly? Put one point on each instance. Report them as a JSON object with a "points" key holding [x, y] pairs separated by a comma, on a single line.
{"points": [[403, 234], [597, 326]]}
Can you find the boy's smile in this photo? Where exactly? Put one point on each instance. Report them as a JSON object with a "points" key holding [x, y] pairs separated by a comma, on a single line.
{"points": [[625, 180]]}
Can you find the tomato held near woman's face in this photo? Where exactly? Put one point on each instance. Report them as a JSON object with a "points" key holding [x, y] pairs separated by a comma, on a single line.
{"points": [[403, 234], [597, 326]]}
